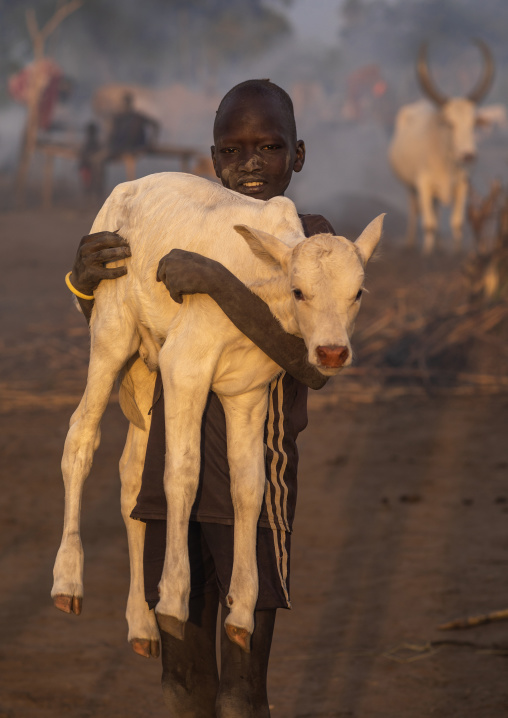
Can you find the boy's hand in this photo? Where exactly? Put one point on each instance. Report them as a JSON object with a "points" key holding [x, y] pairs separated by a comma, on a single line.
{"points": [[94, 251], [188, 273]]}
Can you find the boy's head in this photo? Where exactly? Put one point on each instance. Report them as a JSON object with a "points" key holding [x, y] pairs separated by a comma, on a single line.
{"points": [[256, 150]]}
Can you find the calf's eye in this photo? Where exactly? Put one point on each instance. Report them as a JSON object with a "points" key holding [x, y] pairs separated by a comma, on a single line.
{"points": [[298, 294], [359, 295]]}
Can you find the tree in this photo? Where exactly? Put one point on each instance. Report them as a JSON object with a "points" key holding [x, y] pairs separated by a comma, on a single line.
{"points": [[39, 36]]}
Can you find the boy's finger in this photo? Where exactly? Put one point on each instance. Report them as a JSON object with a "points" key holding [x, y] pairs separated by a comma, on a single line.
{"points": [[161, 271], [112, 254], [176, 296], [114, 272], [102, 239]]}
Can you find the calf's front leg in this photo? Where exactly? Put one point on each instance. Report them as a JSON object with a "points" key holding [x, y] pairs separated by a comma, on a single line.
{"points": [[107, 357]]}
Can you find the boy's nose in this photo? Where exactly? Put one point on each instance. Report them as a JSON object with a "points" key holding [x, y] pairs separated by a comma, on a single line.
{"points": [[253, 162]]}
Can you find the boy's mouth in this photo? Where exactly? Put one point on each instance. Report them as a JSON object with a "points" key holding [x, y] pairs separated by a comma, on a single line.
{"points": [[252, 186]]}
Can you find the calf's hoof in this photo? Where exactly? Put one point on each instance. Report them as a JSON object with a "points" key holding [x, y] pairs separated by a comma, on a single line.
{"points": [[68, 604], [145, 647], [171, 625], [240, 636]]}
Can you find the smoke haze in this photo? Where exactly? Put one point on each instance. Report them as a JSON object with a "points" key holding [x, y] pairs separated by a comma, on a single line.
{"points": [[185, 56]]}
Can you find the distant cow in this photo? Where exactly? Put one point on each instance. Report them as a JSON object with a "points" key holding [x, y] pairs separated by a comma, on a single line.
{"points": [[313, 286], [433, 146]]}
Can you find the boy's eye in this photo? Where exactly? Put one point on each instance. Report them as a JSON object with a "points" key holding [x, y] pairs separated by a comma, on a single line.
{"points": [[229, 150], [271, 147]]}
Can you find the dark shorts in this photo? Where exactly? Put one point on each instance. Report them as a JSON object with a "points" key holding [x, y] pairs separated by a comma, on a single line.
{"points": [[211, 561]]}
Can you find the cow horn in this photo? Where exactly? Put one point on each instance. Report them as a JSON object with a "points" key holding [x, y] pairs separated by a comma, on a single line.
{"points": [[422, 71], [483, 85]]}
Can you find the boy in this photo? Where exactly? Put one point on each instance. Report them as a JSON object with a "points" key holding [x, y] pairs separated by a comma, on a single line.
{"points": [[255, 153]]}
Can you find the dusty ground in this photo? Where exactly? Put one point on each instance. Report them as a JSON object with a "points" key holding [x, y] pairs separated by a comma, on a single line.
{"points": [[401, 525]]}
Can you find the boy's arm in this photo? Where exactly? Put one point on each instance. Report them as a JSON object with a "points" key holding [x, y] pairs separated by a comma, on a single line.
{"points": [[188, 273], [94, 251]]}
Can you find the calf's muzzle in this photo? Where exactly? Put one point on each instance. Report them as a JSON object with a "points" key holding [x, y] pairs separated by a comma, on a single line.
{"points": [[333, 356]]}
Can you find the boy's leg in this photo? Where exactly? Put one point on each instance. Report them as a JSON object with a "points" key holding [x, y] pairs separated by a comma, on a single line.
{"points": [[190, 681], [189, 668], [242, 689]]}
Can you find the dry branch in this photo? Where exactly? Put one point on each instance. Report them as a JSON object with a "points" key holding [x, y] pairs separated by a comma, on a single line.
{"points": [[471, 621], [60, 15], [486, 269]]}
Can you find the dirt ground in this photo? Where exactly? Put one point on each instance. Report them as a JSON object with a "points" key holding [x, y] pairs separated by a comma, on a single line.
{"points": [[402, 524]]}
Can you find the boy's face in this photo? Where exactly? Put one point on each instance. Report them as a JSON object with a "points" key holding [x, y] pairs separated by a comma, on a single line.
{"points": [[254, 153]]}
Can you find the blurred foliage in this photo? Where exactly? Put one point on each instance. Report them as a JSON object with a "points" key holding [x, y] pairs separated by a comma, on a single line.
{"points": [[144, 42]]}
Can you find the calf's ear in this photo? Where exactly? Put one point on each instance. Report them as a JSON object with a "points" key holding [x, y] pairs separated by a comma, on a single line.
{"points": [[265, 246], [369, 238]]}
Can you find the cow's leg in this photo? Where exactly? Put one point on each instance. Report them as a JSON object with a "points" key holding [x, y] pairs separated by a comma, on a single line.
{"points": [[245, 419], [429, 218], [412, 218], [458, 211], [107, 356], [143, 632], [187, 368]]}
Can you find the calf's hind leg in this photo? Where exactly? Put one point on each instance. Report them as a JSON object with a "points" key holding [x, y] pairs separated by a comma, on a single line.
{"points": [[186, 386], [107, 356], [245, 418]]}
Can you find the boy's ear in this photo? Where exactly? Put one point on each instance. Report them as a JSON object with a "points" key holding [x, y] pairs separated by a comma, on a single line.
{"points": [[300, 156]]}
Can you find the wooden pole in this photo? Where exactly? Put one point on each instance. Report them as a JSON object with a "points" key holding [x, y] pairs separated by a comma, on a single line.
{"points": [[47, 182], [129, 162], [38, 37]]}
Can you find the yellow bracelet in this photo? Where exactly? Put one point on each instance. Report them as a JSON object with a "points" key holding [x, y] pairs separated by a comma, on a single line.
{"points": [[75, 291]]}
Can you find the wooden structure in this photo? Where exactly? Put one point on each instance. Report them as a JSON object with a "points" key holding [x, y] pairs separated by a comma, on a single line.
{"points": [[50, 151], [186, 156]]}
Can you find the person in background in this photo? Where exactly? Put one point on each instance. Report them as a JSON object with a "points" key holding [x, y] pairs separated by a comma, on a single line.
{"points": [[131, 130], [90, 171]]}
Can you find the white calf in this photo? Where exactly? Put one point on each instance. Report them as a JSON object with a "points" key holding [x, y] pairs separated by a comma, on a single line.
{"points": [[313, 287]]}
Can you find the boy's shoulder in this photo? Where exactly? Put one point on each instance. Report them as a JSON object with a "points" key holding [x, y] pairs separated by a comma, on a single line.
{"points": [[315, 224]]}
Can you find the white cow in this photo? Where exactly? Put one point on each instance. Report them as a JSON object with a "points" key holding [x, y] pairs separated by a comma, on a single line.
{"points": [[313, 287], [431, 150]]}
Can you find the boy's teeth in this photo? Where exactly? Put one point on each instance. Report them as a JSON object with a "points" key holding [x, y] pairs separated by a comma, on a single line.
{"points": [[253, 184]]}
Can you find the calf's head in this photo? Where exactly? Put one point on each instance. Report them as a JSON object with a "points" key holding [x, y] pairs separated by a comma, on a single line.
{"points": [[325, 276]]}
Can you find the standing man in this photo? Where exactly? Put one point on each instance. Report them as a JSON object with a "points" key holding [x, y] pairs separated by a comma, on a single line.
{"points": [[255, 153], [131, 130]]}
